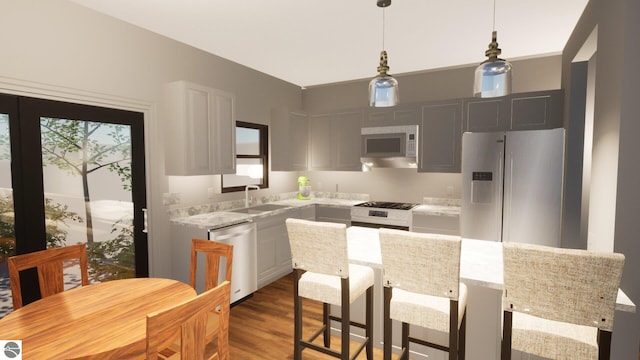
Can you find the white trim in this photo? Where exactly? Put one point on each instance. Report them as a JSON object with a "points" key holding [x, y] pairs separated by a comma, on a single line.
{"points": [[59, 93]]}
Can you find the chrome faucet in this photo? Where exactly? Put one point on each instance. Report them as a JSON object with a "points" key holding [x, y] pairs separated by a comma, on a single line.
{"points": [[246, 193]]}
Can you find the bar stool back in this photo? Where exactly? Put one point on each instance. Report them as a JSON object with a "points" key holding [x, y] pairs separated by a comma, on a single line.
{"points": [[559, 303], [422, 287], [322, 273]]}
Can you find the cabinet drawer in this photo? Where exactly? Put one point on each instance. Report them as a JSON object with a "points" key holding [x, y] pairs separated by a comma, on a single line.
{"points": [[436, 224], [333, 214]]}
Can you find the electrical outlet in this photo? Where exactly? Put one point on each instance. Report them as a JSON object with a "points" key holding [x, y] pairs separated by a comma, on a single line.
{"points": [[210, 192]]}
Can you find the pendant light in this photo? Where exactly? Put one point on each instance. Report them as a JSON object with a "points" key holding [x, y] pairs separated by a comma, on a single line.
{"points": [[383, 89], [493, 76]]}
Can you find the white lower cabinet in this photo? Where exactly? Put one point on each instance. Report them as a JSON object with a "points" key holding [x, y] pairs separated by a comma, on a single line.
{"points": [[274, 253], [435, 224], [333, 214]]}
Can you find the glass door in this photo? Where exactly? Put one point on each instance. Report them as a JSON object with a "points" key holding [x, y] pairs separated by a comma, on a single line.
{"points": [[8, 110], [78, 178]]}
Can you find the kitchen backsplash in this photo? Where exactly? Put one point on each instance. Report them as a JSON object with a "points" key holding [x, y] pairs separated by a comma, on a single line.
{"points": [[441, 201], [239, 203]]}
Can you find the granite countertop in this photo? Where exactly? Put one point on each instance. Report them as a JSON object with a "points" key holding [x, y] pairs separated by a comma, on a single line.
{"points": [[332, 202], [438, 207], [213, 220], [226, 216], [218, 219], [439, 210]]}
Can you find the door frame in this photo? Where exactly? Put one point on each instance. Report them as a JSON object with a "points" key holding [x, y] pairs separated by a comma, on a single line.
{"points": [[11, 86], [19, 87]]}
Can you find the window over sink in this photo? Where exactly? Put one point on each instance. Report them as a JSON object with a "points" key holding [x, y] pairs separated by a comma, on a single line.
{"points": [[252, 158]]}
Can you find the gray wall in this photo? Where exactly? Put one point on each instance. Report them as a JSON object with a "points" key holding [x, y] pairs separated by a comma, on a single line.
{"points": [[615, 174], [534, 74]]}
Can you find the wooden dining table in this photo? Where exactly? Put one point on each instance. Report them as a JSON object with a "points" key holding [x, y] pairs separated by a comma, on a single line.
{"points": [[100, 321]]}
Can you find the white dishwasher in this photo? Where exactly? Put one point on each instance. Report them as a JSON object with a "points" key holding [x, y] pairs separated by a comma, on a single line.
{"points": [[244, 272]]}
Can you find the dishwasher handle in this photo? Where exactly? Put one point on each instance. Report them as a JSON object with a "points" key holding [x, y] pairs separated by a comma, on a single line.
{"points": [[228, 232]]}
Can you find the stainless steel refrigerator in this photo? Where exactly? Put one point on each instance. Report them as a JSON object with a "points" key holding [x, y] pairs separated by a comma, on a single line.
{"points": [[512, 186]]}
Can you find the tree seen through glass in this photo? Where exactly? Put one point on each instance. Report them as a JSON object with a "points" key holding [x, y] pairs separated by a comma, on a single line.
{"points": [[87, 177]]}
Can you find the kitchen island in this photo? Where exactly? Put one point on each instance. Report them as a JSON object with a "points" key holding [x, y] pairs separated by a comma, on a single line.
{"points": [[480, 269]]}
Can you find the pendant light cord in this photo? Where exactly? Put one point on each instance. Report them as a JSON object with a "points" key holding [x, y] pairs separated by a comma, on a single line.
{"points": [[494, 15], [383, 29]]}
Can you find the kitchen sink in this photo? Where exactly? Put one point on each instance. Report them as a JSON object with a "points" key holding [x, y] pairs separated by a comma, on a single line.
{"points": [[259, 209]]}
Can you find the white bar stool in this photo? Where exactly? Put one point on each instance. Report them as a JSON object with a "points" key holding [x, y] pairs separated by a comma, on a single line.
{"points": [[321, 272], [559, 303], [423, 288]]}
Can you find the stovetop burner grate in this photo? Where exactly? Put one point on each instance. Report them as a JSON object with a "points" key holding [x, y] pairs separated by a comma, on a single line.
{"points": [[387, 205]]}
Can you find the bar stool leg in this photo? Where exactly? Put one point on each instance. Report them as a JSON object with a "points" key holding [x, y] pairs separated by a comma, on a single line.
{"points": [[463, 337], [369, 323], [453, 330], [326, 334], [387, 324], [297, 315], [506, 335], [604, 344], [405, 341], [346, 320]]}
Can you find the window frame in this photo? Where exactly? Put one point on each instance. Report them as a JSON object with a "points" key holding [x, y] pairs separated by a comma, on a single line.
{"points": [[264, 156]]}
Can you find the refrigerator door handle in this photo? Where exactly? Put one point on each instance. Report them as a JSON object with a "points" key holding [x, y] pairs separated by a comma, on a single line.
{"points": [[507, 195]]}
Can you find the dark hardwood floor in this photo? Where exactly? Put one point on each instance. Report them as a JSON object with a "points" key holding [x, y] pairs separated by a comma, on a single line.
{"points": [[261, 327]]}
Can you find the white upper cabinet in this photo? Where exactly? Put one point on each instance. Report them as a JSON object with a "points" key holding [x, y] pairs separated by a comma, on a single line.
{"points": [[485, 114], [224, 132], [536, 110], [335, 141], [405, 114], [440, 137], [520, 111], [199, 130], [289, 140]]}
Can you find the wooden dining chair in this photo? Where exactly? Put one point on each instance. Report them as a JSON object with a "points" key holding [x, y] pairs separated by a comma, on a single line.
{"points": [[559, 303], [50, 266], [213, 251], [190, 320]]}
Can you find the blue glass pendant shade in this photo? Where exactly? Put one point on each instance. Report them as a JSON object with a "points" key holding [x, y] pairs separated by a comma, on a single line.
{"points": [[493, 76], [383, 89]]}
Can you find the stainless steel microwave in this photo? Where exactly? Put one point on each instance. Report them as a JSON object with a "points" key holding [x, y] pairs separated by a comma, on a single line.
{"points": [[390, 146]]}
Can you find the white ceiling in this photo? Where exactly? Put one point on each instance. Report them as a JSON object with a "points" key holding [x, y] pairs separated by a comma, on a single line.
{"points": [[317, 42]]}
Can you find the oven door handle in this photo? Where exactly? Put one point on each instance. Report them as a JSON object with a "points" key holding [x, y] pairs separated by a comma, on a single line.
{"points": [[377, 226]]}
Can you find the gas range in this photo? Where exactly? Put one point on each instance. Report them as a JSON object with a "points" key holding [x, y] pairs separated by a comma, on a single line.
{"points": [[382, 214]]}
